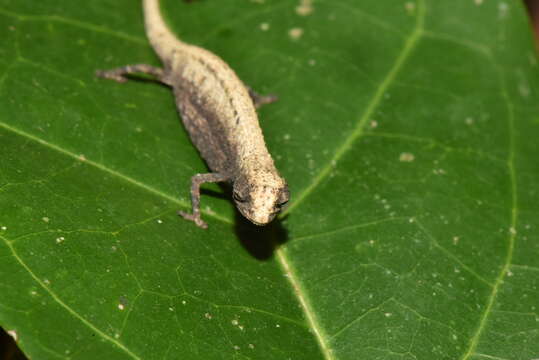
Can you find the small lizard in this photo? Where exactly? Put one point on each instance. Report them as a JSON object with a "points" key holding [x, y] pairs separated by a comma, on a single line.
{"points": [[219, 113]]}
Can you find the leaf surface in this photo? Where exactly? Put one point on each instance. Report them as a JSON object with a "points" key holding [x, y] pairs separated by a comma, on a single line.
{"points": [[406, 131]]}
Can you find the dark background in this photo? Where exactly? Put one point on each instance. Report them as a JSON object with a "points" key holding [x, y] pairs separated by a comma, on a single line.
{"points": [[533, 8]]}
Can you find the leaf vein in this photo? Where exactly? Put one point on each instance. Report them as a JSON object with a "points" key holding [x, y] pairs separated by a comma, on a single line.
{"points": [[73, 22], [474, 341], [110, 171], [358, 132], [64, 305], [452, 256], [349, 228]]}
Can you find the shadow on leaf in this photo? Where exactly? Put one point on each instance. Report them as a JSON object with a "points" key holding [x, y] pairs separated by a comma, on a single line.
{"points": [[260, 241]]}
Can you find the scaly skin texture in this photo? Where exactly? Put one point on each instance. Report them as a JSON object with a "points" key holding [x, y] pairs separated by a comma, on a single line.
{"points": [[218, 111]]}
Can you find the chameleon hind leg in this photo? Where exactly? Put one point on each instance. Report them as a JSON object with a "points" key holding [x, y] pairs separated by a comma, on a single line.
{"points": [[119, 74], [259, 100]]}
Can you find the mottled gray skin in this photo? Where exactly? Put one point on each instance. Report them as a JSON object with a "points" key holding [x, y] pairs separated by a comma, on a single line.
{"points": [[218, 111]]}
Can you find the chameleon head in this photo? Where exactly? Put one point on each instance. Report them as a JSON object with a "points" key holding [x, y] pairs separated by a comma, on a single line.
{"points": [[260, 199]]}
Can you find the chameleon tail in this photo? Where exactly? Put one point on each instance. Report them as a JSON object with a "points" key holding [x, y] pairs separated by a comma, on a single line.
{"points": [[159, 35]]}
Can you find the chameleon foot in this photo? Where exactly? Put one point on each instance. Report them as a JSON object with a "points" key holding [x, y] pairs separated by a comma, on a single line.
{"points": [[112, 75], [195, 218]]}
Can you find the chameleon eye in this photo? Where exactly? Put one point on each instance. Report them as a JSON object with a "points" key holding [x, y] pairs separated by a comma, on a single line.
{"points": [[237, 197], [283, 197]]}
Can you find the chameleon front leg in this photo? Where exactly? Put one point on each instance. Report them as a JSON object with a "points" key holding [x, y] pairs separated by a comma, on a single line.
{"points": [[196, 181], [259, 100], [119, 74]]}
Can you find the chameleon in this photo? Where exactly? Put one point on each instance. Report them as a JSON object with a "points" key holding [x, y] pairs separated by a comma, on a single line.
{"points": [[219, 113]]}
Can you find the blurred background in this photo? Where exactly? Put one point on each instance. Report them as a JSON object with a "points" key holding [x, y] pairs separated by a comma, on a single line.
{"points": [[8, 347]]}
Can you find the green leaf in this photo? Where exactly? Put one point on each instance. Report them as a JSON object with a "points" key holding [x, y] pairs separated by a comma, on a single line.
{"points": [[407, 131]]}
